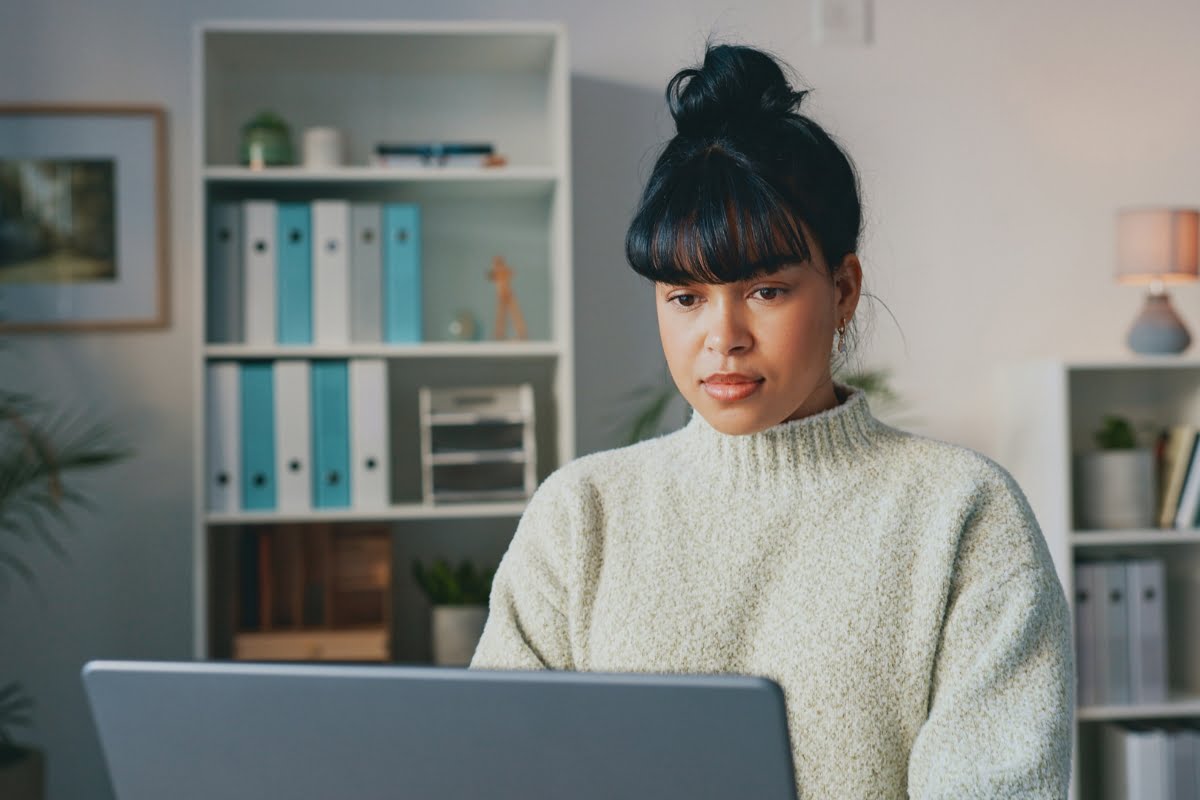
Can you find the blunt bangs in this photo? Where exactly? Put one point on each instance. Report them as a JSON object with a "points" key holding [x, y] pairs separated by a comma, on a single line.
{"points": [[713, 220]]}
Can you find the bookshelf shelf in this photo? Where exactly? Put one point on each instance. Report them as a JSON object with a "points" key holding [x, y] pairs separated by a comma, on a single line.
{"points": [[398, 512], [1135, 538], [467, 418], [482, 457], [314, 644], [1138, 362], [300, 426], [513, 349], [1177, 707], [379, 174], [432, 183]]}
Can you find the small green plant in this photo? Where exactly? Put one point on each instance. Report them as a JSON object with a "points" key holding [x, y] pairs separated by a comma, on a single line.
{"points": [[464, 585], [1116, 433]]}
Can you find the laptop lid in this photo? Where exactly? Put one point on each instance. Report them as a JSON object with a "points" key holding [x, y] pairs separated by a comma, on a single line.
{"points": [[203, 730]]}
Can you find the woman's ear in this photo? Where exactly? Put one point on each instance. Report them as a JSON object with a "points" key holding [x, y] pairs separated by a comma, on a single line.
{"points": [[847, 285]]}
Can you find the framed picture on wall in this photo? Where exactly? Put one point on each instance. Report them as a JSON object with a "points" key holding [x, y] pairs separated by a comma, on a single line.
{"points": [[83, 217]]}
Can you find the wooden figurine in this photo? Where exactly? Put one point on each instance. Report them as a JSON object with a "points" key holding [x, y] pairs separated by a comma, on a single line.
{"points": [[506, 302]]}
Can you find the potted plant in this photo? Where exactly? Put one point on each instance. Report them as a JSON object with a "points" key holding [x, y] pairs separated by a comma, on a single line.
{"points": [[459, 598], [1114, 484], [37, 450]]}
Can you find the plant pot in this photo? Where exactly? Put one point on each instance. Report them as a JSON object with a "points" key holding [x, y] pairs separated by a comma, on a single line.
{"points": [[266, 142], [1114, 489], [22, 774], [456, 631]]}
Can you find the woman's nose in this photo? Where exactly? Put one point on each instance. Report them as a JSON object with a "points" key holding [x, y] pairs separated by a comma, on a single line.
{"points": [[727, 330]]}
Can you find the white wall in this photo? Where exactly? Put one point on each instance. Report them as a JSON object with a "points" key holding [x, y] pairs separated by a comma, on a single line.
{"points": [[995, 139]]}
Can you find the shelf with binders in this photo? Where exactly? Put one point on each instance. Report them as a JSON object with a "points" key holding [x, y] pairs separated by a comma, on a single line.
{"points": [[1135, 618], [1142, 758], [1137, 656], [327, 440], [394, 268]]}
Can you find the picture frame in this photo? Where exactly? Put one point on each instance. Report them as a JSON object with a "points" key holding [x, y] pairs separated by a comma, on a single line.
{"points": [[84, 210]]}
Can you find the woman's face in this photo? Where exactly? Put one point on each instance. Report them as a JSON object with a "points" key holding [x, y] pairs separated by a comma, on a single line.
{"points": [[752, 354]]}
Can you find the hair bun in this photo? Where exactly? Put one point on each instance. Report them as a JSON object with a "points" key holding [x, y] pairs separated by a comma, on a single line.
{"points": [[733, 86]]}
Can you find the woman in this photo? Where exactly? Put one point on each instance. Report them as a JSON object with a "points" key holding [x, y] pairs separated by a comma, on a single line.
{"points": [[897, 588]]}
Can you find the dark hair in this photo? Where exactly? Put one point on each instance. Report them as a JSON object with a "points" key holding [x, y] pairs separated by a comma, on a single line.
{"points": [[729, 192]]}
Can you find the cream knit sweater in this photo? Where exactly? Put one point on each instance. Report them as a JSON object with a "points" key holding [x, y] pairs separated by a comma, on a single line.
{"points": [[897, 588]]}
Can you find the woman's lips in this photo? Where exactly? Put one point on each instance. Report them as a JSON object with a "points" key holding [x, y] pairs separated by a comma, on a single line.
{"points": [[729, 391]]}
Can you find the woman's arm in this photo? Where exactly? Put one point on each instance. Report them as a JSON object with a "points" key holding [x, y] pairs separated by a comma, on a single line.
{"points": [[527, 622], [1002, 695]]}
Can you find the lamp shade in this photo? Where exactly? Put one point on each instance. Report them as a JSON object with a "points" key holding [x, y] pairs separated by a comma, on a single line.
{"points": [[1159, 244]]}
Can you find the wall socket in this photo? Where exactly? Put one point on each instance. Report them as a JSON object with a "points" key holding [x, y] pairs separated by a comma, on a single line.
{"points": [[842, 21]]}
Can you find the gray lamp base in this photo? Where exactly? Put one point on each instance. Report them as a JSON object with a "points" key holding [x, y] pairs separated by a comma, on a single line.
{"points": [[1158, 330]]}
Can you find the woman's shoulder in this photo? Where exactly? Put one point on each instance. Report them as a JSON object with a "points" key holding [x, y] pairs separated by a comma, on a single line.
{"points": [[588, 481], [939, 463], [975, 501], [573, 501], [617, 465]]}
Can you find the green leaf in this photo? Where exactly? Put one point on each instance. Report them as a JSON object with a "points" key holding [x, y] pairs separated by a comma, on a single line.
{"points": [[38, 453], [1116, 433]]}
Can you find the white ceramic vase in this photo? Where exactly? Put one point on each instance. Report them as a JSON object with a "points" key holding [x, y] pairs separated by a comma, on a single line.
{"points": [[456, 631], [1114, 489]]}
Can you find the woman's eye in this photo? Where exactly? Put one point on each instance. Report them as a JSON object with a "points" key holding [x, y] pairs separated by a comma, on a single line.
{"points": [[768, 292], [683, 300]]}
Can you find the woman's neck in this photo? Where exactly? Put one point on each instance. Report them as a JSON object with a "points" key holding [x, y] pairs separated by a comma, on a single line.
{"points": [[823, 398], [822, 443]]}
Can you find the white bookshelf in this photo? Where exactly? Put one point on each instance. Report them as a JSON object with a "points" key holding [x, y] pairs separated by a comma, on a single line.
{"points": [[507, 84], [1048, 411]]}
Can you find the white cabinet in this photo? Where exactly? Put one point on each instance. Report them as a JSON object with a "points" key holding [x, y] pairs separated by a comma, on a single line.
{"points": [[1049, 411], [375, 82]]}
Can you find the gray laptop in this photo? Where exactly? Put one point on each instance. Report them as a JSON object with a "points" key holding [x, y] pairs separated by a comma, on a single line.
{"points": [[200, 730]]}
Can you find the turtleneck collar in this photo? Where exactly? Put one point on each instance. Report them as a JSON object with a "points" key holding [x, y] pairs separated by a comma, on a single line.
{"points": [[829, 440]]}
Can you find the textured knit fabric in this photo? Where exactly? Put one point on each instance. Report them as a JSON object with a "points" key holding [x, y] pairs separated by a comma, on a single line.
{"points": [[896, 587]]}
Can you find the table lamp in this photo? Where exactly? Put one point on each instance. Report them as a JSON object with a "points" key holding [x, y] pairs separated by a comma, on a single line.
{"points": [[1157, 246]]}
